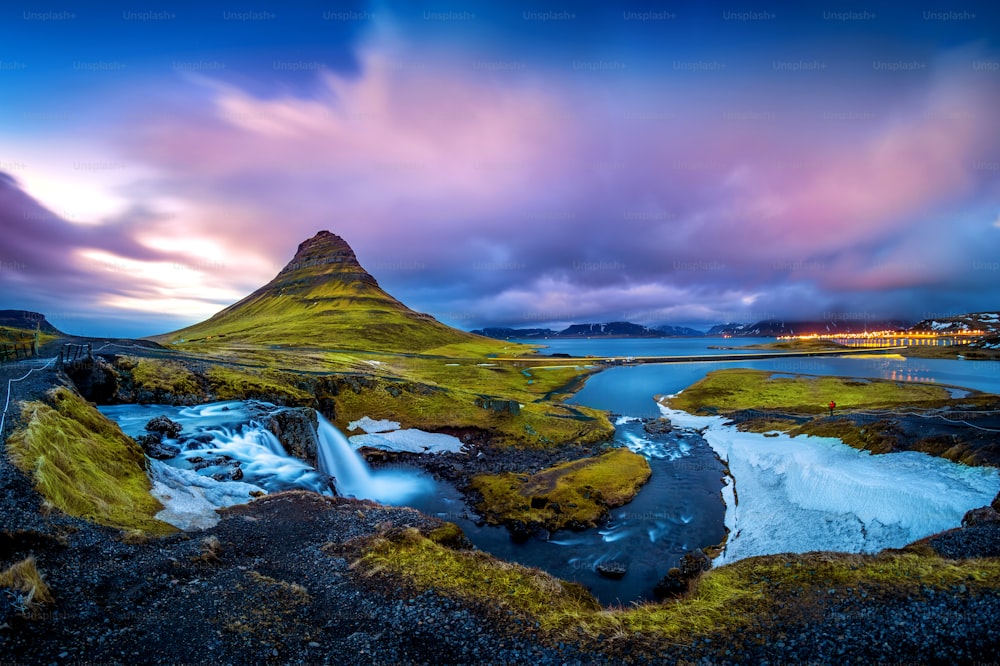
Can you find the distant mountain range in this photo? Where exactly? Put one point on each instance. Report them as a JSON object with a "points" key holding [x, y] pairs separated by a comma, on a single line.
{"points": [[975, 321], [615, 329], [772, 328]]}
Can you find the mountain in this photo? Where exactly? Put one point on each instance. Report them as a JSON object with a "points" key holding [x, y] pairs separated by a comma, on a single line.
{"points": [[323, 298], [772, 328], [509, 333], [975, 321], [615, 329], [679, 331], [731, 329], [27, 320]]}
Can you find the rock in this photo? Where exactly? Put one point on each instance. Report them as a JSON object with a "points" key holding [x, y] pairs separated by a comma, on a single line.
{"points": [[672, 585], [678, 580], [612, 569], [237, 474], [539, 502], [164, 426], [94, 378], [520, 531], [981, 516], [154, 447], [694, 563], [500, 405], [996, 502], [374, 455], [657, 426], [295, 428]]}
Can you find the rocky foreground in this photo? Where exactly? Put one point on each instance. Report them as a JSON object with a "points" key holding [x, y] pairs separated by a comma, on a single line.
{"points": [[300, 578], [274, 582]]}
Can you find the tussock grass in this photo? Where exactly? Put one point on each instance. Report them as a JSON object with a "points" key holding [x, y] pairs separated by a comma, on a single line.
{"points": [[561, 608], [583, 490], [24, 578], [290, 593], [229, 384], [161, 377], [84, 464], [721, 600]]}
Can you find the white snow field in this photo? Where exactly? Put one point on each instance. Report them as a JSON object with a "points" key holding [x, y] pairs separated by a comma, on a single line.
{"points": [[804, 493]]}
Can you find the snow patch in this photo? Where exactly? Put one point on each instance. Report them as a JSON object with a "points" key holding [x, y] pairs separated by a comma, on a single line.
{"points": [[408, 441], [370, 425], [817, 493], [190, 500]]}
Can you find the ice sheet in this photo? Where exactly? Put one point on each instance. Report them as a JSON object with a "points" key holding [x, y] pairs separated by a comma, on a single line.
{"points": [[816, 493]]}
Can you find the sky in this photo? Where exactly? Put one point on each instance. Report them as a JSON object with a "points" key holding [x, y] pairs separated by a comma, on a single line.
{"points": [[503, 163]]}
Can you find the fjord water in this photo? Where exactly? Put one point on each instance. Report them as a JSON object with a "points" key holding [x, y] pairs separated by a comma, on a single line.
{"points": [[629, 390]]}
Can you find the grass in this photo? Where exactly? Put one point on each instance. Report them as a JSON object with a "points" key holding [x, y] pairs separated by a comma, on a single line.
{"points": [[722, 600], [226, 383], [11, 334], [330, 314], [24, 579], [161, 378], [404, 397], [84, 465], [738, 388], [577, 493]]}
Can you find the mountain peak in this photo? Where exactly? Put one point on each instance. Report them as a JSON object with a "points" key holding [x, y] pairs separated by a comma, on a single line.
{"points": [[323, 257], [324, 298]]}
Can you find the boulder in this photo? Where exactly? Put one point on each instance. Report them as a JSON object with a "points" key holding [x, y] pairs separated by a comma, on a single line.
{"points": [[694, 562], [612, 569], [295, 428], [152, 444], [499, 405], [981, 516], [672, 585], [164, 426], [657, 426], [521, 531], [996, 502], [678, 580]]}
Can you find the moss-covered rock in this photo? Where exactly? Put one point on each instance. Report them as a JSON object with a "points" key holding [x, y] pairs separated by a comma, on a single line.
{"points": [[574, 494], [84, 464]]}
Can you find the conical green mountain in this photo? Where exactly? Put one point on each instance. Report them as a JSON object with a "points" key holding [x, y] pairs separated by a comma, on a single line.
{"points": [[324, 299]]}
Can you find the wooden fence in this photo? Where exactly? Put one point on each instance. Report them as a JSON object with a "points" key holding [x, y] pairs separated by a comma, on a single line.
{"points": [[74, 353], [16, 350]]}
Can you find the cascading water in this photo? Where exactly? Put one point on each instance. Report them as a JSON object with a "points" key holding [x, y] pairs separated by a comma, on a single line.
{"points": [[337, 459], [353, 477]]}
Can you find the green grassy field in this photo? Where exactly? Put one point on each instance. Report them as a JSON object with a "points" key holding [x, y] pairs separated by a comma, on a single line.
{"points": [[738, 388]]}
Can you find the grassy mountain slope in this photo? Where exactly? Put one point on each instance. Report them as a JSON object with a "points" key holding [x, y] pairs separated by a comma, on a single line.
{"points": [[324, 299]]}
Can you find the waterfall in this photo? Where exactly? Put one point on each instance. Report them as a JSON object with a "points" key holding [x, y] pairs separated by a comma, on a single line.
{"points": [[336, 458], [353, 477]]}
